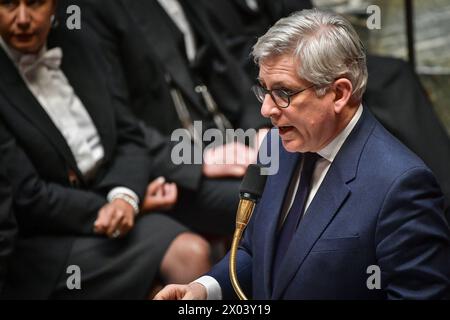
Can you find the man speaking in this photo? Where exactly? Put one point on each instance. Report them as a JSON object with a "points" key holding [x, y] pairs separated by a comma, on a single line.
{"points": [[348, 197]]}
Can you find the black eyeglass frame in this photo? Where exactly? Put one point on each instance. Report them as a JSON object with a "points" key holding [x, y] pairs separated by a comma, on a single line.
{"points": [[267, 91]]}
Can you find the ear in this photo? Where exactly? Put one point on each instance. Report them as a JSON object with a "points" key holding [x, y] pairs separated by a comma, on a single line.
{"points": [[343, 89]]}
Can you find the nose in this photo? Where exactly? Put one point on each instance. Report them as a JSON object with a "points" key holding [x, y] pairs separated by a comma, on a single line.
{"points": [[23, 17], [269, 108]]}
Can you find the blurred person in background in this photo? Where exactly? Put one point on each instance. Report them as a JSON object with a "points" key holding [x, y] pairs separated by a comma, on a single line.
{"points": [[79, 171]]}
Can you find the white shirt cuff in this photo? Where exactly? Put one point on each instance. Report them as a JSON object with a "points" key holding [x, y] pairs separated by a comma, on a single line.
{"points": [[213, 289]]}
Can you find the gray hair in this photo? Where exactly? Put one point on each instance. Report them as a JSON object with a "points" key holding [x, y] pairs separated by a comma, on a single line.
{"points": [[325, 43]]}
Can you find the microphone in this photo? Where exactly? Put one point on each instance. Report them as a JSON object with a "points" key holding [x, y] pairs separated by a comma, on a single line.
{"points": [[251, 189], [252, 185]]}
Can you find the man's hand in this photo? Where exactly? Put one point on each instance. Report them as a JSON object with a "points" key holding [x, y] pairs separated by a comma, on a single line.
{"points": [[160, 195], [115, 219], [192, 291], [229, 160]]}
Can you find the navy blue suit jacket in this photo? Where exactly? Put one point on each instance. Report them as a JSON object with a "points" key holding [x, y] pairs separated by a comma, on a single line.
{"points": [[378, 205]]}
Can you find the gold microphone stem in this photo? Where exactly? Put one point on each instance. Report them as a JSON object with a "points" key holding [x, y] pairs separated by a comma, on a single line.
{"points": [[233, 276], [244, 214]]}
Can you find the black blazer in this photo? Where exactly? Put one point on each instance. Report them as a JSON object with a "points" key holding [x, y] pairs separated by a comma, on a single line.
{"points": [[240, 26], [152, 38], [52, 199], [143, 74], [213, 66], [7, 222], [138, 81]]}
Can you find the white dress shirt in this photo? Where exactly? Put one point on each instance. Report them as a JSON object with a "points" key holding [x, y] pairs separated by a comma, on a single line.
{"points": [[328, 154], [52, 90], [176, 13]]}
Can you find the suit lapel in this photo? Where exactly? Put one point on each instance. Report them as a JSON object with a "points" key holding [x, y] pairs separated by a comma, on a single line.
{"points": [[17, 92], [330, 196], [327, 202], [78, 67], [277, 186]]}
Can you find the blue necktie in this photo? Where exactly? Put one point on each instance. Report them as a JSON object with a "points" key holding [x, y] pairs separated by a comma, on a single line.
{"points": [[293, 218]]}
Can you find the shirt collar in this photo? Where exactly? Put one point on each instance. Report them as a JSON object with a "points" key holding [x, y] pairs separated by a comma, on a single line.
{"points": [[330, 151]]}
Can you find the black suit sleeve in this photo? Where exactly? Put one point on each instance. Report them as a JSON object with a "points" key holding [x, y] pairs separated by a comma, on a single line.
{"points": [[46, 207], [7, 222], [159, 145], [187, 176], [129, 72], [130, 164]]}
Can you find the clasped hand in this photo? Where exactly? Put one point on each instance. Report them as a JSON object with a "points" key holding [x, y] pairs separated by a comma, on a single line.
{"points": [[116, 218]]}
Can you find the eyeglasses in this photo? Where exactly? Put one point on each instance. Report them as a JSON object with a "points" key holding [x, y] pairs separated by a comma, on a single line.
{"points": [[281, 98]]}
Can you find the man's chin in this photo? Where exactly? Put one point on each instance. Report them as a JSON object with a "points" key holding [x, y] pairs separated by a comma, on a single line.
{"points": [[290, 145]]}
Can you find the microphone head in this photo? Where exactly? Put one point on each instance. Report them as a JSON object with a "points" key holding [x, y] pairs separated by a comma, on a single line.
{"points": [[252, 185]]}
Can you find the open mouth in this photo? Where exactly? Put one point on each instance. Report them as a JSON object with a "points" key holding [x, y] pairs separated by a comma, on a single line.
{"points": [[285, 129]]}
